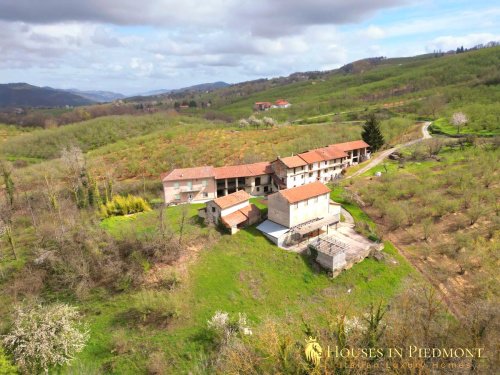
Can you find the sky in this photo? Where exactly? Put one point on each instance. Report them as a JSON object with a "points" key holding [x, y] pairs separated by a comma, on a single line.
{"points": [[131, 46]]}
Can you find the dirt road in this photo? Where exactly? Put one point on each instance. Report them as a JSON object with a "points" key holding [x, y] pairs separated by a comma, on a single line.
{"points": [[380, 157]]}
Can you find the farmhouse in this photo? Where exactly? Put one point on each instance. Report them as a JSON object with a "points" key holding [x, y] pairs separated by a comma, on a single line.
{"points": [[202, 184], [264, 106], [323, 164], [189, 185], [357, 151], [254, 178], [299, 213], [281, 103], [234, 211]]}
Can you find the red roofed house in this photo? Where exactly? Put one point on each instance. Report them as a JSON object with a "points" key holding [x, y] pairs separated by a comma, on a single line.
{"points": [[357, 151], [254, 178], [262, 106], [281, 103], [299, 213], [189, 185], [234, 211], [323, 164]]}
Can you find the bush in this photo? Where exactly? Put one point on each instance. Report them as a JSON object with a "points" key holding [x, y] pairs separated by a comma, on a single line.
{"points": [[6, 367], [119, 206], [45, 336]]}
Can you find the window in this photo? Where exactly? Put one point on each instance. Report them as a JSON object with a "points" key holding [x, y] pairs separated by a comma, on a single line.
{"points": [[190, 185], [258, 189], [294, 178], [205, 195], [310, 167], [257, 181], [266, 189], [176, 185], [204, 183], [177, 196], [213, 209], [310, 174]]}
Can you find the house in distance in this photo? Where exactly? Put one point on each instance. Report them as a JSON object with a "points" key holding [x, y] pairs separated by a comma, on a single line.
{"points": [[265, 106]]}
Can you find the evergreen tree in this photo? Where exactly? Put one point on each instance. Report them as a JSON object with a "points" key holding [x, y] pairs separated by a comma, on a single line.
{"points": [[371, 133]]}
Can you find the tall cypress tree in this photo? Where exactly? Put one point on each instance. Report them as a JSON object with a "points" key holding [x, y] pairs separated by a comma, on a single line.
{"points": [[371, 133]]}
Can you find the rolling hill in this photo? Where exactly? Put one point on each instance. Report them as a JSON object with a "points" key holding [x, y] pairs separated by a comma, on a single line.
{"points": [[26, 95]]}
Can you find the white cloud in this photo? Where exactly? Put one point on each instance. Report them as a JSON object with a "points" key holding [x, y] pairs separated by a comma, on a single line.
{"points": [[449, 42]]}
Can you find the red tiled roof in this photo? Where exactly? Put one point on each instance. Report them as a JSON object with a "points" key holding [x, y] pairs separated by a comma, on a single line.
{"points": [[244, 170], [304, 192], [281, 102], [189, 173], [232, 199], [312, 156], [241, 215], [293, 161], [353, 145], [332, 152]]}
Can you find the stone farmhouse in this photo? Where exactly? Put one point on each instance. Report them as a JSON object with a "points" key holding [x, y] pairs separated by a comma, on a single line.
{"points": [[201, 184], [234, 211], [299, 213]]}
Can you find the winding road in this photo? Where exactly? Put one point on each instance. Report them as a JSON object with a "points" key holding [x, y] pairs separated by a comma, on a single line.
{"points": [[384, 154]]}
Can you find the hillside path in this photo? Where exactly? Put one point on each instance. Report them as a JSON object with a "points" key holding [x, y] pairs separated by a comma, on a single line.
{"points": [[379, 158]]}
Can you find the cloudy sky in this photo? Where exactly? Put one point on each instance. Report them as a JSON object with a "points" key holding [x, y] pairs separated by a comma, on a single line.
{"points": [[132, 46]]}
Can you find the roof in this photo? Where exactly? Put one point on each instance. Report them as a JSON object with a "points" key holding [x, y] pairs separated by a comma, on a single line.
{"points": [[301, 193], [238, 217], [189, 173], [272, 229], [312, 156], [353, 145], [244, 170], [332, 152], [232, 199], [281, 101], [234, 219], [293, 161]]}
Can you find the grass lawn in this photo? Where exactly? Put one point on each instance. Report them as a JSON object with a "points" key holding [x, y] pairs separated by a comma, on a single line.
{"points": [[443, 126], [240, 273]]}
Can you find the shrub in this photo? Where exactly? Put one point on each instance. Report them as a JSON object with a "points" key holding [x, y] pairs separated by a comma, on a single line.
{"points": [[119, 206], [45, 336], [6, 367]]}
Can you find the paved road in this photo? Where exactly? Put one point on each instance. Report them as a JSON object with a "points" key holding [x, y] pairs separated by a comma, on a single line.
{"points": [[380, 157]]}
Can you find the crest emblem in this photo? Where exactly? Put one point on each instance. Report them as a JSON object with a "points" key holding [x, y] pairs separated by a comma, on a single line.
{"points": [[313, 351]]}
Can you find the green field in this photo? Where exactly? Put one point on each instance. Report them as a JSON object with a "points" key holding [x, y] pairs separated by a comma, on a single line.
{"points": [[241, 273]]}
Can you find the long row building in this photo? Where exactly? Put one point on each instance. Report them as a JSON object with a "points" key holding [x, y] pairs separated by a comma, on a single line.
{"points": [[202, 184]]}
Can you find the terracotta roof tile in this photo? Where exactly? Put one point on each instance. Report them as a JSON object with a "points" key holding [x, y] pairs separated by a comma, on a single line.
{"points": [[243, 170], [312, 156], [241, 215], [293, 161], [304, 192], [353, 145], [189, 173], [332, 152], [232, 199]]}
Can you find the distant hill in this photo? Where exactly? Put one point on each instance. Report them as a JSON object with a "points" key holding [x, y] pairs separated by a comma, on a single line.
{"points": [[25, 95], [202, 87], [97, 96]]}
